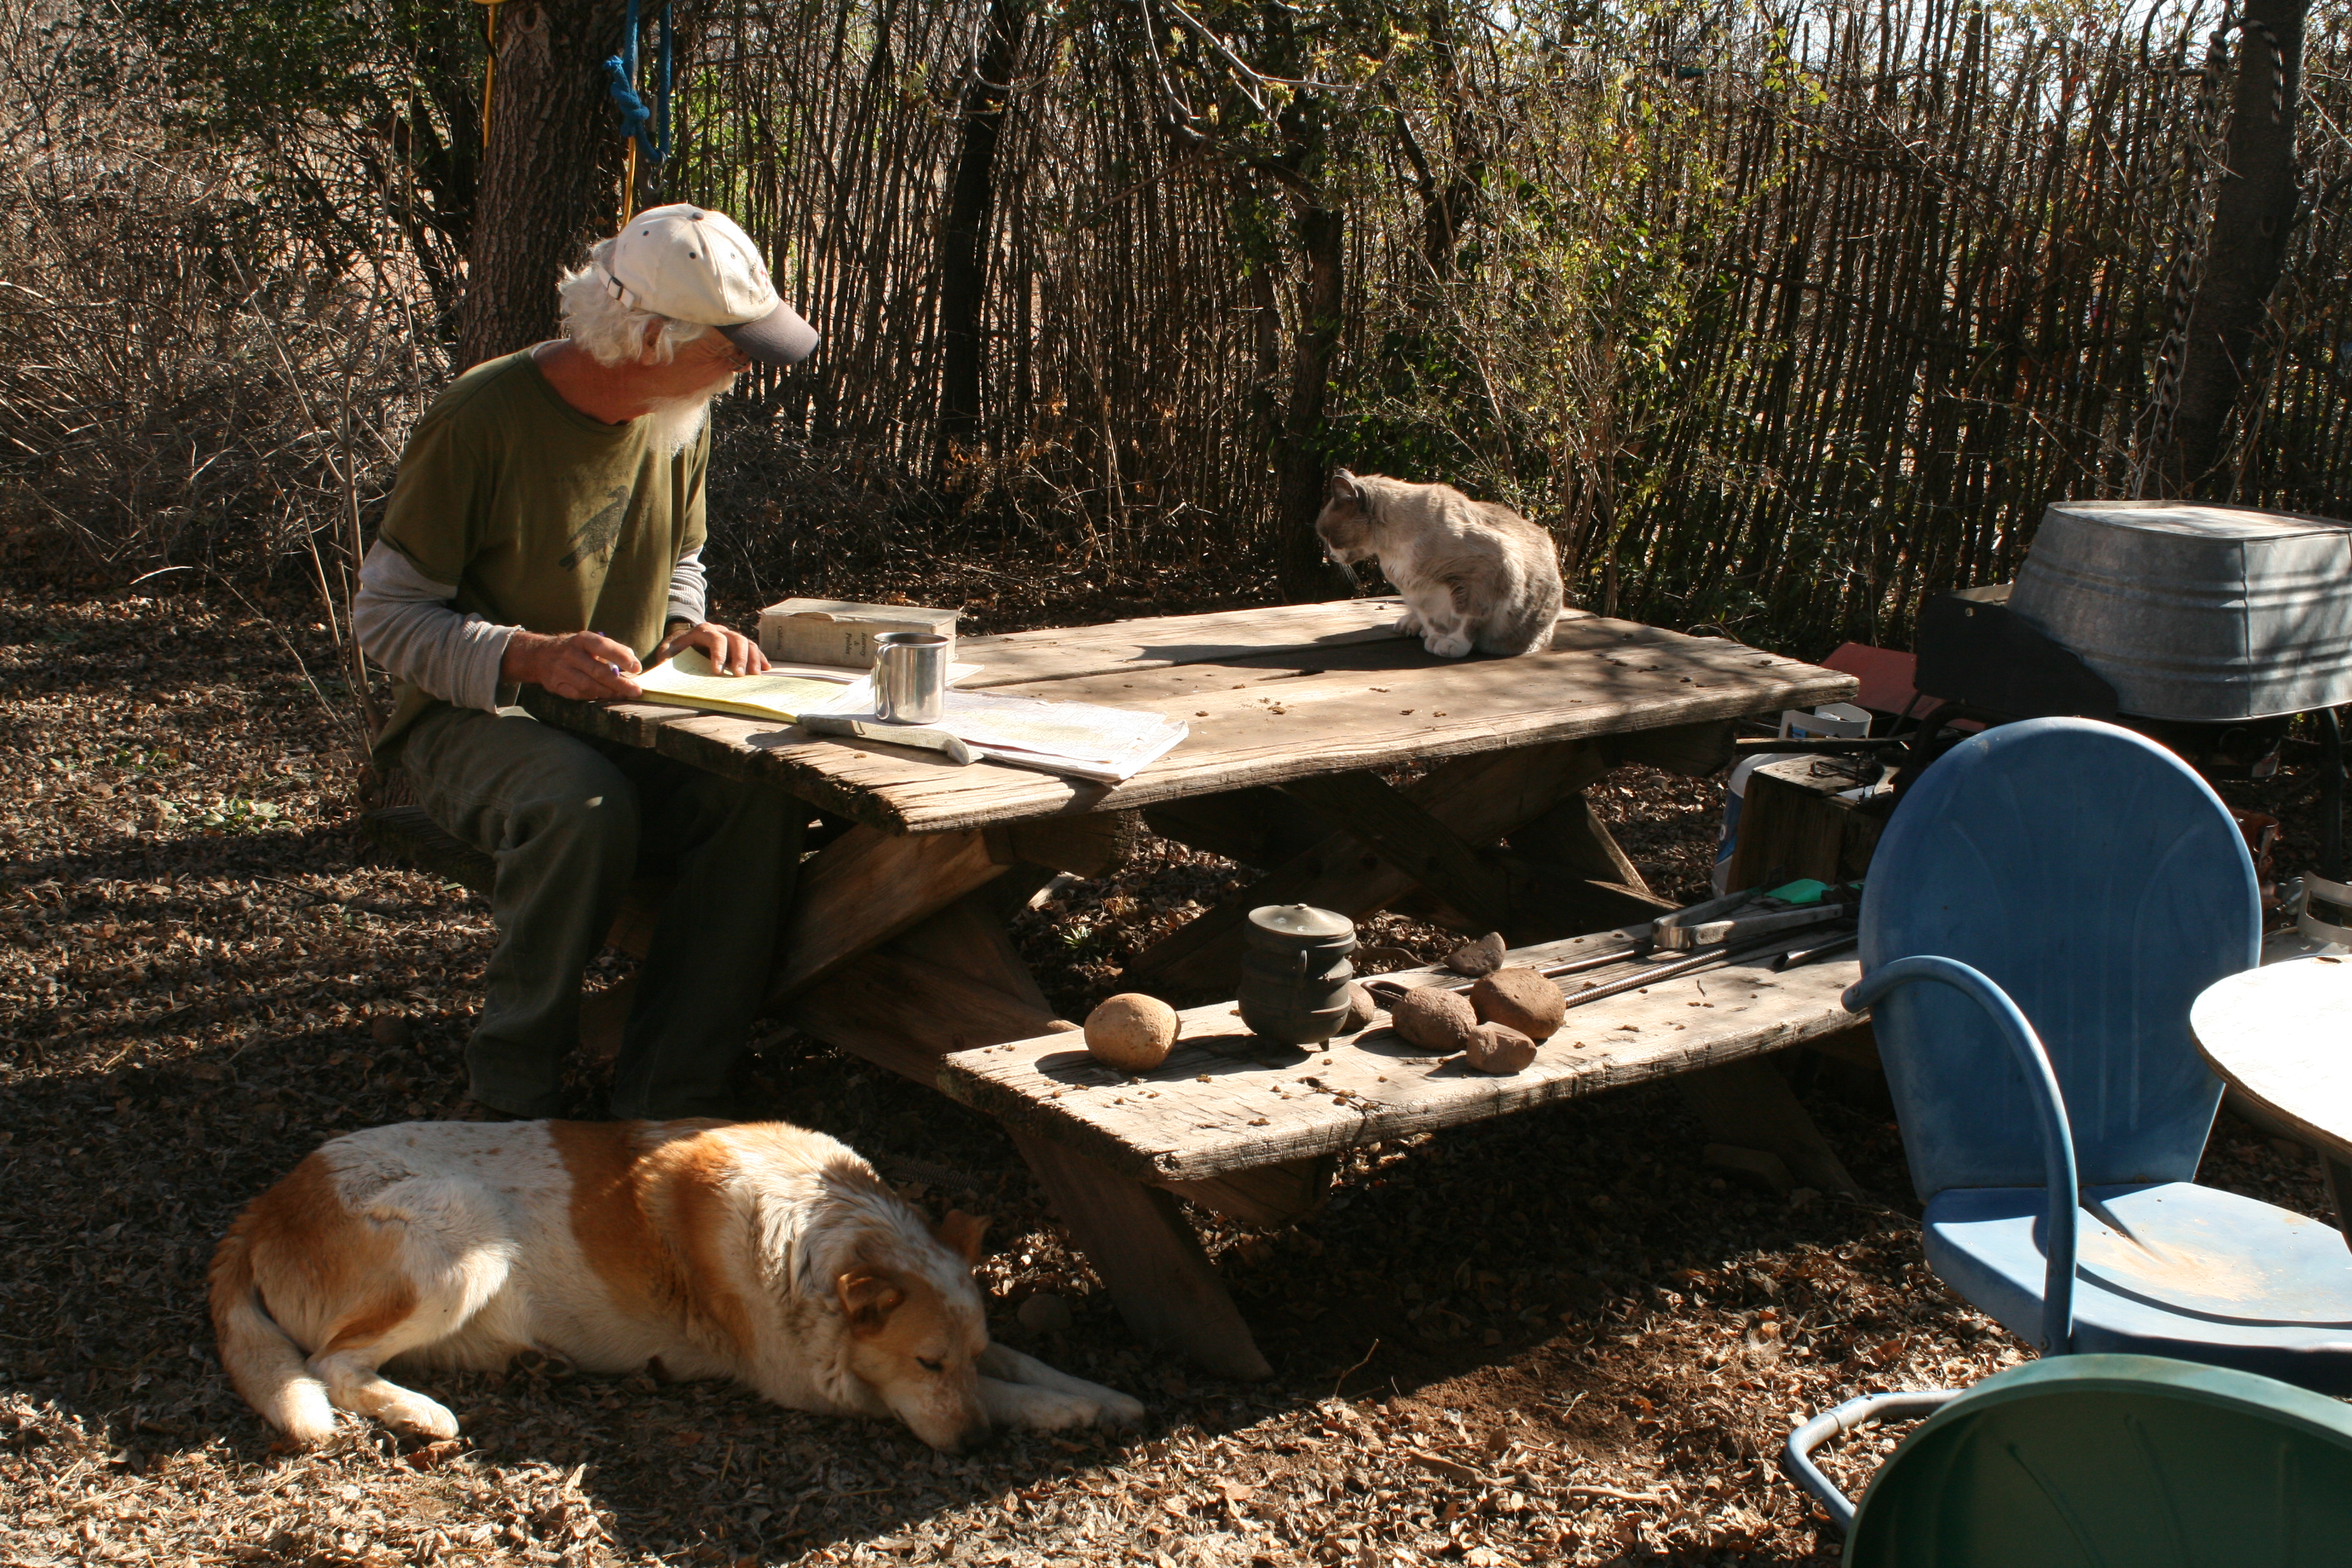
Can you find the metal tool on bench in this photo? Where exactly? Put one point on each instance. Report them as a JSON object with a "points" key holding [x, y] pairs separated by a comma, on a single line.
{"points": [[1828, 911], [1829, 946], [1753, 914]]}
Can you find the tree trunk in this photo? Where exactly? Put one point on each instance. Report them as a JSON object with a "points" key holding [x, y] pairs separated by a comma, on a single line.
{"points": [[1302, 570], [963, 246], [2254, 213], [550, 185], [1446, 208]]}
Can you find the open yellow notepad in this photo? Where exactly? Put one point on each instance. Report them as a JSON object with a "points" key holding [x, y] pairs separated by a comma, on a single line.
{"points": [[689, 681]]}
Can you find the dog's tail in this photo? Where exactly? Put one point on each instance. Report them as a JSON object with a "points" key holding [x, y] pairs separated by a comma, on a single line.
{"points": [[264, 1362]]}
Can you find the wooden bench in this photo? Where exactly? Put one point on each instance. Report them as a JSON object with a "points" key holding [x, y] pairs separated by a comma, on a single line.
{"points": [[1255, 1131]]}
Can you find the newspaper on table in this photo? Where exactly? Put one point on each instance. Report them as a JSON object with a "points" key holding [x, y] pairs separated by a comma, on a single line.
{"points": [[1080, 739]]}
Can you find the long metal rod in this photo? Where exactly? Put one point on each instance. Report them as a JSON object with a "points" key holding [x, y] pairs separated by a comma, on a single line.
{"points": [[1574, 967], [1676, 971], [1797, 957], [1598, 961]]}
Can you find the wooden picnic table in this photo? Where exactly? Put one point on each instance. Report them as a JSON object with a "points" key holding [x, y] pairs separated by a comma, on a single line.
{"points": [[892, 951], [2281, 1035]]}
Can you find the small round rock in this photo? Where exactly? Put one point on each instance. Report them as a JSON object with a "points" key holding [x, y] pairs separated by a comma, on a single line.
{"points": [[1362, 1010], [1481, 957], [1437, 1020], [1519, 999], [1131, 1032], [1493, 1048]]}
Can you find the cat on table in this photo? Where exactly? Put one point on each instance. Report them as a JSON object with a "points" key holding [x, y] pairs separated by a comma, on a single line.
{"points": [[1473, 573]]}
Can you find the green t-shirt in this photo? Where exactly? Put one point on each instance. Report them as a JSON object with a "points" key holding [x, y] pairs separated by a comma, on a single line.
{"points": [[544, 517]]}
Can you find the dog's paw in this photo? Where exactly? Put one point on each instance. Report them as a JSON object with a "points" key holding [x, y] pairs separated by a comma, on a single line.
{"points": [[1069, 1402], [1052, 1411], [1115, 1409], [415, 1413], [1449, 645], [308, 1431]]}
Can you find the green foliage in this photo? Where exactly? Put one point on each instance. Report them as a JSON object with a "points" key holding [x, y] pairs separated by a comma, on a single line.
{"points": [[360, 118], [1534, 361]]}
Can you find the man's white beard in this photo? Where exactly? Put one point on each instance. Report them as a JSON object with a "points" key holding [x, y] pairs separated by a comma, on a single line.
{"points": [[676, 421]]}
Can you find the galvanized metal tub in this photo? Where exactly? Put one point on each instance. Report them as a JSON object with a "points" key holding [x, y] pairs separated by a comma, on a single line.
{"points": [[2207, 613]]}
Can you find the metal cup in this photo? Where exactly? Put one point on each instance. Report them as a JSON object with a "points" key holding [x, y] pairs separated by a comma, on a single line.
{"points": [[910, 677]]}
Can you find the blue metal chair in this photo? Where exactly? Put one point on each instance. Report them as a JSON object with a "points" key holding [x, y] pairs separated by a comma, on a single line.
{"points": [[2042, 909], [2094, 1461]]}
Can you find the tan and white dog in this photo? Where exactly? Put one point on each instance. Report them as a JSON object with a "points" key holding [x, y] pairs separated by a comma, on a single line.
{"points": [[757, 1251]]}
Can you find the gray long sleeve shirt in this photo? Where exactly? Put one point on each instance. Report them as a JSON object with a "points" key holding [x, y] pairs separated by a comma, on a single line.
{"points": [[405, 623]]}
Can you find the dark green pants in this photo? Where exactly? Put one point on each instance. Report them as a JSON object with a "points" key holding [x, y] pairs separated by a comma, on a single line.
{"points": [[570, 822]]}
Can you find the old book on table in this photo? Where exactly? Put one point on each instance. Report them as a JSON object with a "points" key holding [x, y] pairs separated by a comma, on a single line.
{"points": [[839, 632]]}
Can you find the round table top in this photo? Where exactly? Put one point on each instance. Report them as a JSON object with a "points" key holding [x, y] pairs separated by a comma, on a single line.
{"points": [[2282, 1036]]}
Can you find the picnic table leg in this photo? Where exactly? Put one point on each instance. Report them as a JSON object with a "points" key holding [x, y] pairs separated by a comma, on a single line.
{"points": [[1749, 1105], [1140, 1242], [1135, 1234], [954, 981]]}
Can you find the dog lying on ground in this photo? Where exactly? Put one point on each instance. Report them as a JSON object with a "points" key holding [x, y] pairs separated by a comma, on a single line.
{"points": [[757, 1251]]}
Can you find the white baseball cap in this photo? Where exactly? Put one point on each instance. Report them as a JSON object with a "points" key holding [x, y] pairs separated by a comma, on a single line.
{"points": [[692, 264]]}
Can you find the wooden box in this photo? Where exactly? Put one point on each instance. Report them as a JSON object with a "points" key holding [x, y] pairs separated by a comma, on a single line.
{"points": [[834, 631], [1793, 825]]}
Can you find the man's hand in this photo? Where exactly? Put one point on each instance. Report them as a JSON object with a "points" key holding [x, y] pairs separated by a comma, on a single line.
{"points": [[730, 652], [583, 665]]}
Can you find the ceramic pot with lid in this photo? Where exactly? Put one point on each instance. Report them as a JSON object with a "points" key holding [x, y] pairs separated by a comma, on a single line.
{"points": [[1296, 974]]}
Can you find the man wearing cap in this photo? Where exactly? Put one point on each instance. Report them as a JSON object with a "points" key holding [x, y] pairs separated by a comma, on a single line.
{"points": [[546, 529]]}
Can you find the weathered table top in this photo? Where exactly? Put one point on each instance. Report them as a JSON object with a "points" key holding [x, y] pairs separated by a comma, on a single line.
{"points": [[2282, 1035], [1269, 695], [1215, 1107]]}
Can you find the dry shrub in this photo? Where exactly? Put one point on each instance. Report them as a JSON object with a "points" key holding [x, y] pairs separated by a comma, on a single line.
{"points": [[183, 385]]}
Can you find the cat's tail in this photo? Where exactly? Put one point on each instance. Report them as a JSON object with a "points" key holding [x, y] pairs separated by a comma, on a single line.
{"points": [[262, 1361], [1531, 630]]}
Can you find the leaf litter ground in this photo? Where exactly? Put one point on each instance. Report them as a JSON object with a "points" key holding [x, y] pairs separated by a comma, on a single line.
{"points": [[1550, 1339]]}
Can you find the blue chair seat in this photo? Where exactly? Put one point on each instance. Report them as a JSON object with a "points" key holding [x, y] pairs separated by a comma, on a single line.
{"points": [[2163, 1268]]}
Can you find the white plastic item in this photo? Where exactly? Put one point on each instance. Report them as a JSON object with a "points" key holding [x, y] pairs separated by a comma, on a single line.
{"points": [[1830, 722]]}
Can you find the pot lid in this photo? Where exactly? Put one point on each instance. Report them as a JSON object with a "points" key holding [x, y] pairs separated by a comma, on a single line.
{"points": [[1301, 924]]}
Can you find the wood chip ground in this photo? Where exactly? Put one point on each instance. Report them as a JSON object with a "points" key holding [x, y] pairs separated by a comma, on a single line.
{"points": [[1550, 1339]]}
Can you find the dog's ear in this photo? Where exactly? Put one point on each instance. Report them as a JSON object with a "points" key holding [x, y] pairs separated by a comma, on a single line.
{"points": [[868, 1298], [961, 1232], [1345, 487]]}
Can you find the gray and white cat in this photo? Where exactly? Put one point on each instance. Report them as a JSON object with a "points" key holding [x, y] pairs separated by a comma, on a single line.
{"points": [[1473, 573]]}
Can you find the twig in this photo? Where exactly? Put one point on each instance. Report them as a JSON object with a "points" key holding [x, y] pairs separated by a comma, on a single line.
{"points": [[1354, 1368], [1613, 1493]]}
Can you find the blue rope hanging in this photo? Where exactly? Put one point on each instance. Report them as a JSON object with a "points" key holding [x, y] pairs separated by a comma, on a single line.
{"points": [[649, 126]]}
